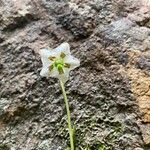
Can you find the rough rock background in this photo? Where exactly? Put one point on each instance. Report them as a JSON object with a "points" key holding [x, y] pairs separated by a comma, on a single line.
{"points": [[109, 93]]}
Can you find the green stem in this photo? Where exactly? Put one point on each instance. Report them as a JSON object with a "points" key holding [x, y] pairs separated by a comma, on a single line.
{"points": [[68, 115]]}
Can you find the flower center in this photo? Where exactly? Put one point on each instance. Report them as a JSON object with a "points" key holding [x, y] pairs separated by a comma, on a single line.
{"points": [[58, 63]]}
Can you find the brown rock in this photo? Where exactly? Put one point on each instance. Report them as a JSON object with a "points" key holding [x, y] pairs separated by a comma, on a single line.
{"points": [[109, 91], [146, 133]]}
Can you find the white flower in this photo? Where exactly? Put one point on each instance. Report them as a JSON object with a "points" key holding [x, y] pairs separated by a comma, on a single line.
{"points": [[58, 62]]}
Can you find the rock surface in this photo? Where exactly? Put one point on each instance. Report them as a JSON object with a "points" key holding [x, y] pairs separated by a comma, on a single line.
{"points": [[109, 93]]}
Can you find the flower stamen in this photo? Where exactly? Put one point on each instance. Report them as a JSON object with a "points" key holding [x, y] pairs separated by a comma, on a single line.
{"points": [[67, 65], [60, 69], [51, 67], [62, 55], [52, 58]]}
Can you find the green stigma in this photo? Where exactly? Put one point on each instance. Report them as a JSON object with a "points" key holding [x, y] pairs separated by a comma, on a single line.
{"points": [[58, 63], [60, 69]]}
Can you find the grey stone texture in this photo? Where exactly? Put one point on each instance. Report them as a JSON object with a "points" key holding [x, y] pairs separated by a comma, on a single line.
{"points": [[109, 94]]}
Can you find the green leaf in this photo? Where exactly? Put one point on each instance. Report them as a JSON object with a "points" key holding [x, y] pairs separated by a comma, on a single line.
{"points": [[87, 147], [102, 147]]}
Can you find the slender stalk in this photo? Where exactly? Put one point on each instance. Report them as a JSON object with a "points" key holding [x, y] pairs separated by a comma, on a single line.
{"points": [[68, 115]]}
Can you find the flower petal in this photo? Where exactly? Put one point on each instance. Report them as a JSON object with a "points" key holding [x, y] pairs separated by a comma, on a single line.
{"points": [[46, 62], [45, 54], [63, 77], [54, 72], [63, 48], [72, 61], [44, 72]]}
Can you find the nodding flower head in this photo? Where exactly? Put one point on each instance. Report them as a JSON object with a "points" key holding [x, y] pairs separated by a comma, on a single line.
{"points": [[58, 62]]}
